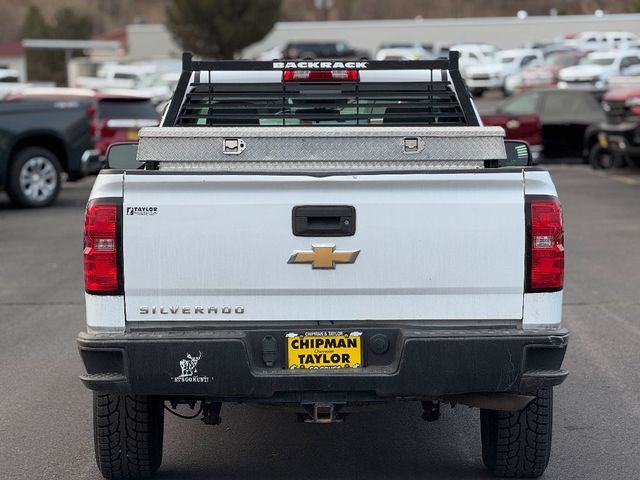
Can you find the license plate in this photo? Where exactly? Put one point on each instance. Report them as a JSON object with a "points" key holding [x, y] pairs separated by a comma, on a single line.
{"points": [[602, 140], [324, 350], [132, 135]]}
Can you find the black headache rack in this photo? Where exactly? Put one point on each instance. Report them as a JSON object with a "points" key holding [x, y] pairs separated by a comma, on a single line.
{"points": [[442, 102]]}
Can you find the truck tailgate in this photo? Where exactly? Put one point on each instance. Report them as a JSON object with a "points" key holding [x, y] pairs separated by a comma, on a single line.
{"points": [[433, 246]]}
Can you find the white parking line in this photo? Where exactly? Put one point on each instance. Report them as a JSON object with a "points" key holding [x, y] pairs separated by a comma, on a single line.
{"points": [[627, 180], [618, 178]]}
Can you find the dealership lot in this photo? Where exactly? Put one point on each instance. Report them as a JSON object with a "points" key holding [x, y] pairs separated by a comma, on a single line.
{"points": [[46, 421]]}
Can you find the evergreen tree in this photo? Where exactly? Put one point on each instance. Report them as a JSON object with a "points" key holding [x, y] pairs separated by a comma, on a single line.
{"points": [[219, 29], [50, 65], [35, 26], [67, 23]]}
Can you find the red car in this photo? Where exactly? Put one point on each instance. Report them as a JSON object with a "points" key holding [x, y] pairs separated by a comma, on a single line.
{"points": [[546, 75], [519, 127], [113, 118], [623, 103], [554, 121]]}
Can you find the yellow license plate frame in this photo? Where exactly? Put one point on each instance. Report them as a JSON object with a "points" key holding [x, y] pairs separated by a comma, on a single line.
{"points": [[326, 350]]}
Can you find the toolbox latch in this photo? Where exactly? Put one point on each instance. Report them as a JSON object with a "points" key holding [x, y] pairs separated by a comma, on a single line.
{"points": [[233, 146]]}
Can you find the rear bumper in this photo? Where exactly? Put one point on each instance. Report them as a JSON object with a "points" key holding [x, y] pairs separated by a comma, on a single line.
{"points": [[586, 84], [420, 363]]}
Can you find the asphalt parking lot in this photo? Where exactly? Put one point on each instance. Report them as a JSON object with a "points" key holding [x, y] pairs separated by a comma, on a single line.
{"points": [[45, 423]]}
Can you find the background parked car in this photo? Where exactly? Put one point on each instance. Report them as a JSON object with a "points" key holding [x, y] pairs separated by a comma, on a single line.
{"points": [[546, 74], [630, 77], [271, 54], [425, 46], [473, 54], [618, 138], [519, 127], [564, 117], [315, 50], [597, 68], [38, 142], [403, 54], [158, 87], [112, 118], [603, 40], [441, 49], [114, 75], [492, 76], [9, 75]]}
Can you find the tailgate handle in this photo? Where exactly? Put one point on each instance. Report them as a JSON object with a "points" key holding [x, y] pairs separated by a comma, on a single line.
{"points": [[324, 221]]}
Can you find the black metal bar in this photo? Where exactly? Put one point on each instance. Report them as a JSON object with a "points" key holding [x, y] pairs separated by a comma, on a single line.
{"points": [[249, 65], [454, 57], [324, 116], [464, 97], [277, 103], [187, 62], [326, 123], [176, 100], [250, 96]]}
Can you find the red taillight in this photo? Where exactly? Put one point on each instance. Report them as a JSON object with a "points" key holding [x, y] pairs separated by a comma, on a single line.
{"points": [[106, 130], [319, 75], [91, 112], [546, 243], [101, 248]]}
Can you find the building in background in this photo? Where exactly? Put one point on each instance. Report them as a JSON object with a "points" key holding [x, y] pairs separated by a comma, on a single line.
{"points": [[504, 32], [147, 41], [154, 41]]}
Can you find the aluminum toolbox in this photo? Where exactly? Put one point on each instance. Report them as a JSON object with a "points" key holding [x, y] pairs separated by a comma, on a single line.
{"points": [[320, 148]]}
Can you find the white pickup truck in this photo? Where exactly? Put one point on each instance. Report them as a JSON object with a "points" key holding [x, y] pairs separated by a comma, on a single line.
{"points": [[321, 235]]}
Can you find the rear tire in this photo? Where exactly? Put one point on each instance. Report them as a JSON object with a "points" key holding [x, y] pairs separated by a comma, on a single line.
{"points": [[602, 159], [518, 444], [33, 178], [128, 431]]}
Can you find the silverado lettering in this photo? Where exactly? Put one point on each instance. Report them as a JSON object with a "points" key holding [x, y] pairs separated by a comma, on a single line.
{"points": [[187, 310]]}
